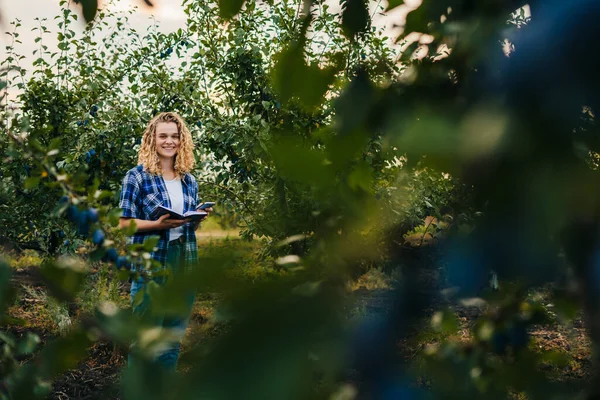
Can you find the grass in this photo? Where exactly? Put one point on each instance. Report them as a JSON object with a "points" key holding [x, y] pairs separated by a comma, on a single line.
{"points": [[211, 230], [50, 318], [100, 287], [563, 351], [28, 258], [43, 313], [40, 312], [564, 348], [374, 279], [203, 236], [245, 261]]}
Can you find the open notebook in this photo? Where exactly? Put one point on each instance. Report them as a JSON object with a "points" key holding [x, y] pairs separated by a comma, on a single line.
{"points": [[193, 215]]}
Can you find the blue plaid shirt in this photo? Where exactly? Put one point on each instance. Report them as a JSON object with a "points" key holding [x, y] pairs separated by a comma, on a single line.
{"points": [[142, 192]]}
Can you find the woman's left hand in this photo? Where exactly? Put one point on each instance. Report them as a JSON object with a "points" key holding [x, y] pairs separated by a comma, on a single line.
{"points": [[207, 210]]}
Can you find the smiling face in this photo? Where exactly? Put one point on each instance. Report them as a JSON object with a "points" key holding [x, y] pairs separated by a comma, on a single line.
{"points": [[167, 140]]}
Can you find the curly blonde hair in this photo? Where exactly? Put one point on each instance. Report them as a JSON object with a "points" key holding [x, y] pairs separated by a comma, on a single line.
{"points": [[184, 159]]}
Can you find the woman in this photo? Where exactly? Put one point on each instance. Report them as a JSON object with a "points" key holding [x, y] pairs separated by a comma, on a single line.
{"points": [[163, 178]]}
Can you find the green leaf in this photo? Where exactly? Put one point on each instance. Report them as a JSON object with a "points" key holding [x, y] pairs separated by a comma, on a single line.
{"points": [[64, 277], [292, 77], [353, 105], [32, 182], [28, 344], [8, 339], [131, 228], [97, 254], [123, 274], [361, 177], [89, 8], [567, 307], [355, 17], [297, 162], [230, 8], [151, 242], [445, 322], [114, 215], [55, 143], [409, 51], [393, 4], [64, 353], [139, 297], [429, 11], [103, 194], [93, 188]]}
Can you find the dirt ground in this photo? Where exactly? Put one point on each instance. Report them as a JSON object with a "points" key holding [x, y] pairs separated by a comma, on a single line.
{"points": [[97, 377]]}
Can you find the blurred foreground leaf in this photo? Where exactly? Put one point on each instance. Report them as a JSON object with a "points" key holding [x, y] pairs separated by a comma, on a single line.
{"points": [[230, 8], [33, 379], [293, 77], [7, 290], [64, 277], [89, 9], [355, 17]]}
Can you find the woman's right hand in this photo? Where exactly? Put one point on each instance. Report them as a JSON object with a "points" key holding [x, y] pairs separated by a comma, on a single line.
{"points": [[164, 222]]}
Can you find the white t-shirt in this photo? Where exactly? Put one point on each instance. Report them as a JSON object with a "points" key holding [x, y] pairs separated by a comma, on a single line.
{"points": [[176, 195]]}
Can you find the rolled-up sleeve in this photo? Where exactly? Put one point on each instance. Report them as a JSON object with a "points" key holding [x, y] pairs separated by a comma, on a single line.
{"points": [[131, 201]]}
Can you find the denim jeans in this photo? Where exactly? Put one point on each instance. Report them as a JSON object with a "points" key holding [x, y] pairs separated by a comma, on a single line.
{"points": [[177, 324]]}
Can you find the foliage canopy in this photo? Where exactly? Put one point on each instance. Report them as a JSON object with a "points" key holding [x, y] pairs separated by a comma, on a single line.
{"points": [[331, 147]]}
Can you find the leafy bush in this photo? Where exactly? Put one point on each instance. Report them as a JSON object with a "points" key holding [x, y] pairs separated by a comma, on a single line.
{"points": [[29, 258], [330, 147]]}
